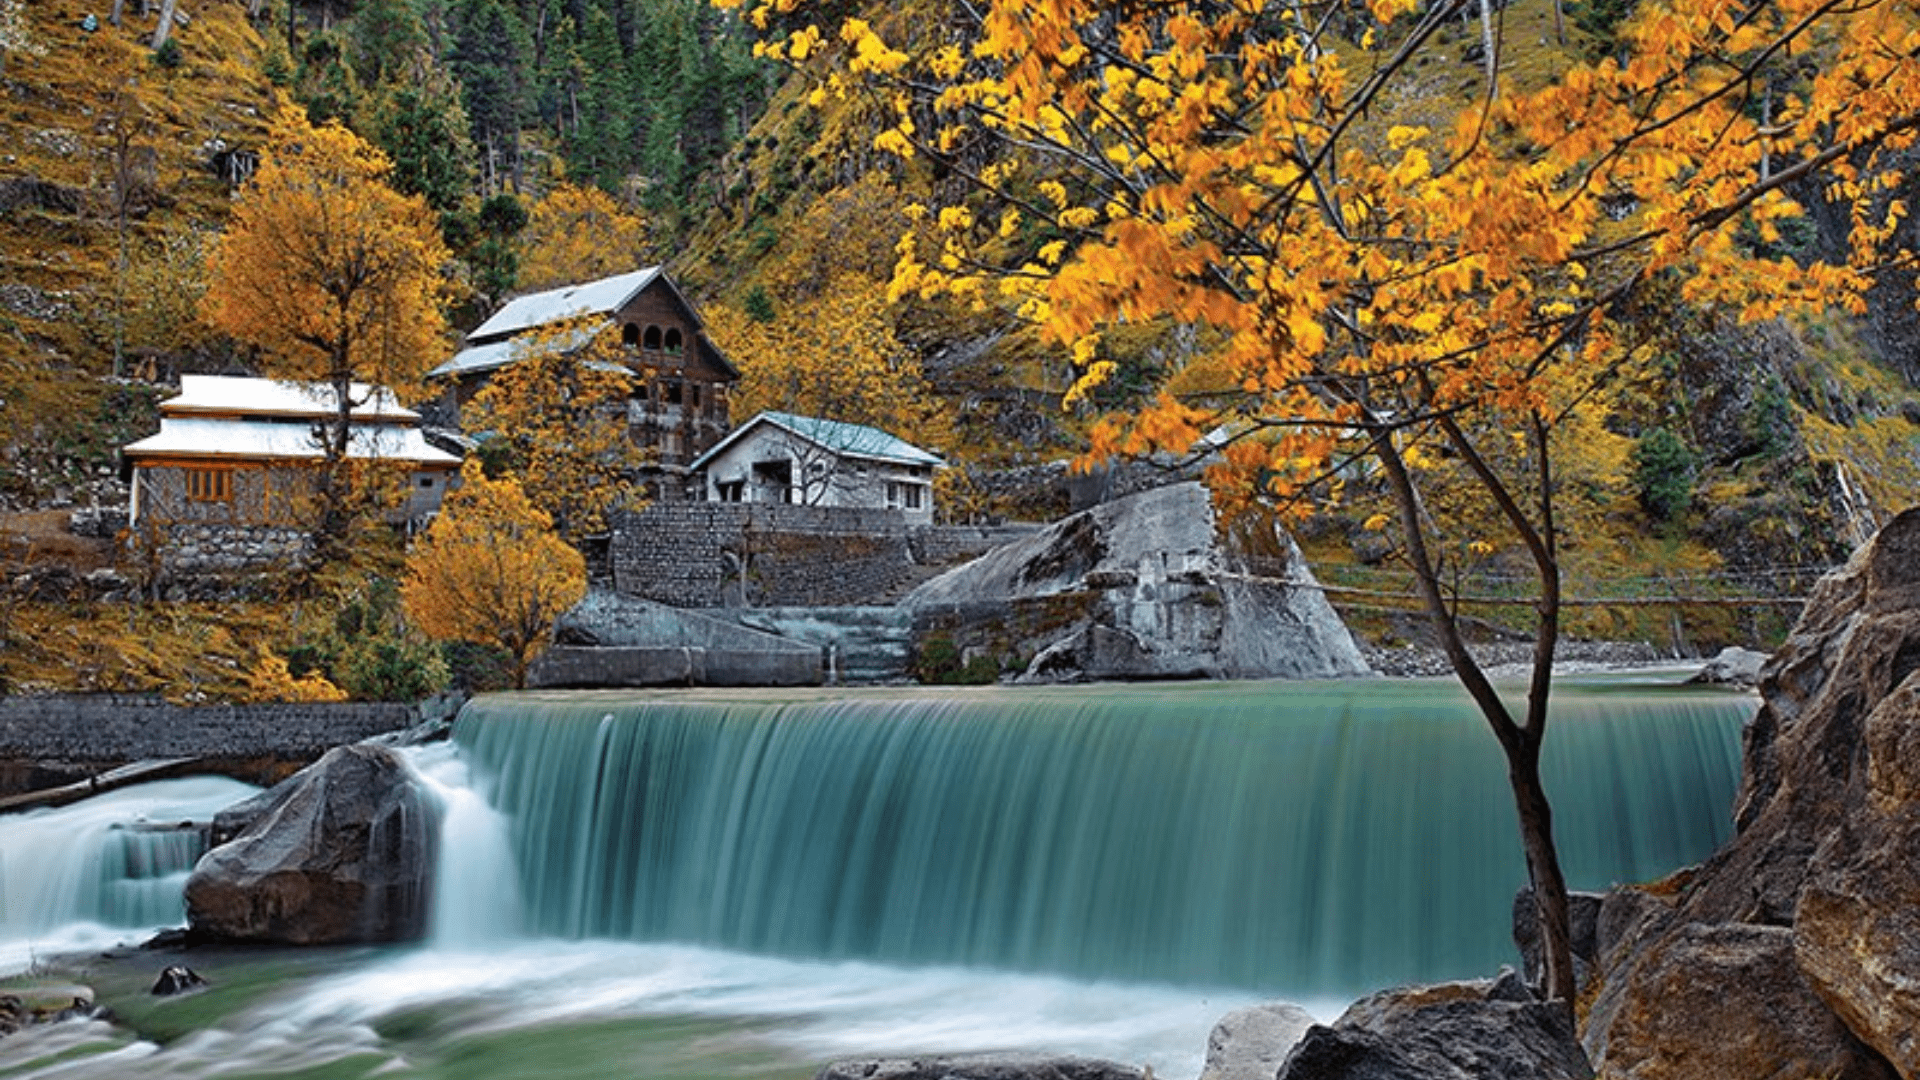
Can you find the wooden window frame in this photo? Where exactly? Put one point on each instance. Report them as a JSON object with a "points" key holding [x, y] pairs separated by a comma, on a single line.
{"points": [[206, 484]]}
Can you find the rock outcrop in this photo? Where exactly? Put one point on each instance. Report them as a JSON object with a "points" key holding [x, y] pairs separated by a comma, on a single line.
{"points": [[1251, 1043], [1144, 587], [341, 852], [1453, 1031], [1795, 950]]}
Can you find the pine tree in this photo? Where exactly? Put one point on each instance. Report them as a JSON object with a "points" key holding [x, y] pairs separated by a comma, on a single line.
{"points": [[489, 58]]}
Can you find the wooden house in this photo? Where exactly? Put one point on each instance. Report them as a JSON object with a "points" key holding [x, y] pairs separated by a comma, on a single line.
{"points": [[240, 452], [778, 457], [678, 407]]}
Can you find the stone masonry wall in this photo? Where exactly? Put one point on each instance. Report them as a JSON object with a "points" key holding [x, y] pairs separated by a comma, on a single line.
{"points": [[121, 728], [759, 554], [736, 554], [215, 547]]}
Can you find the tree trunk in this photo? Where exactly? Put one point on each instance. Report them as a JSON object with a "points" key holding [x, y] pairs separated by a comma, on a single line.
{"points": [[1520, 744], [1551, 904], [119, 6], [166, 24]]}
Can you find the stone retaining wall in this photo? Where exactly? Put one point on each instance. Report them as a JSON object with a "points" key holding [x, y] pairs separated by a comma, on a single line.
{"points": [[757, 554], [214, 547], [62, 736]]}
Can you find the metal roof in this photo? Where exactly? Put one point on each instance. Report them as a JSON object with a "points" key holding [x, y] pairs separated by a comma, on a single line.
{"points": [[253, 439], [498, 354], [588, 298], [235, 394], [836, 436]]}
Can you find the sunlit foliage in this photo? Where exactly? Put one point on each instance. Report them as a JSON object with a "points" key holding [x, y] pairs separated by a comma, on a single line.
{"points": [[492, 571], [1426, 299], [578, 234], [556, 421]]}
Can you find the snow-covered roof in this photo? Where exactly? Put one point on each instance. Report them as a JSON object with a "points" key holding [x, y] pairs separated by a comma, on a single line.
{"points": [[836, 436], [588, 298], [228, 394], [498, 354], [253, 439]]}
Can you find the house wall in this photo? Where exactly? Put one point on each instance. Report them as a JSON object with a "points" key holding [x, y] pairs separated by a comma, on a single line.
{"points": [[259, 524], [676, 430]]}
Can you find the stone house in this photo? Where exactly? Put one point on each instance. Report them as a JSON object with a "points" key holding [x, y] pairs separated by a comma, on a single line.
{"points": [[678, 406], [778, 457], [233, 462]]}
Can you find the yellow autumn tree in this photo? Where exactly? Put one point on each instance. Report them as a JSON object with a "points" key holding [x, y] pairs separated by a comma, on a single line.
{"points": [[578, 234], [491, 570], [335, 278], [1421, 298], [833, 356], [555, 419]]}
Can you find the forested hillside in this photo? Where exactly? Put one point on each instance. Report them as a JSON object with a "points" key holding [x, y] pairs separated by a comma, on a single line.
{"points": [[558, 139]]}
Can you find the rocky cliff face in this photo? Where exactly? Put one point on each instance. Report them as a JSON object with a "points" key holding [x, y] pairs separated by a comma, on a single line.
{"points": [[1796, 949], [1147, 587]]}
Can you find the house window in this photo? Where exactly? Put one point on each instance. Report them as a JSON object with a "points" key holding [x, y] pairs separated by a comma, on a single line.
{"points": [[913, 496], [210, 485], [427, 482], [673, 339], [670, 391], [652, 340], [893, 495], [731, 490], [695, 388], [630, 334]]}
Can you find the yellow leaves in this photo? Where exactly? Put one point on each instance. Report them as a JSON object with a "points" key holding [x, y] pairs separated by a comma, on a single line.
{"points": [[833, 355], [555, 418], [802, 44], [325, 269], [269, 680], [894, 141], [1079, 217], [578, 233], [1054, 192], [1377, 523], [1051, 251], [490, 570], [955, 219]]}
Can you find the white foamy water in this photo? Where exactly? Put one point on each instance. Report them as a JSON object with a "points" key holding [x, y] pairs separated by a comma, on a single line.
{"points": [[95, 873]]}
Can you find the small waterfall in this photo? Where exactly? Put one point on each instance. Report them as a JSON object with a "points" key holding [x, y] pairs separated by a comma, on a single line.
{"points": [[1307, 838], [476, 899], [117, 860]]}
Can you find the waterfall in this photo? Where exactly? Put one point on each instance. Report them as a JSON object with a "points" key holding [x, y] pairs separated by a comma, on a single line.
{"points": [[1308, 838], [115, 861]]}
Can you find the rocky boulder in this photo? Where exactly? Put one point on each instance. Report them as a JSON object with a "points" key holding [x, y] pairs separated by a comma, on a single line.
{"points": [[341, 852], [1148, 586], [1251, 1043], [1795, 950], [1453, 1031]]}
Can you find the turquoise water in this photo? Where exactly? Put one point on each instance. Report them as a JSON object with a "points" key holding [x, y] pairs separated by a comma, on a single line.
{"points": [[746, 885], [1304, 838]]}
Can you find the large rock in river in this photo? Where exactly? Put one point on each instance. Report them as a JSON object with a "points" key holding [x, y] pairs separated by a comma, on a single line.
{"points": [[1452, 1031], [1795, 950], [1148, 586], [341, 852]]}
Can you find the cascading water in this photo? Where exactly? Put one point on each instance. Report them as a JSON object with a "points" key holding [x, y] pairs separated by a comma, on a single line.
{"points": [[1304, 838], [114, 862], [807, 875]]}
